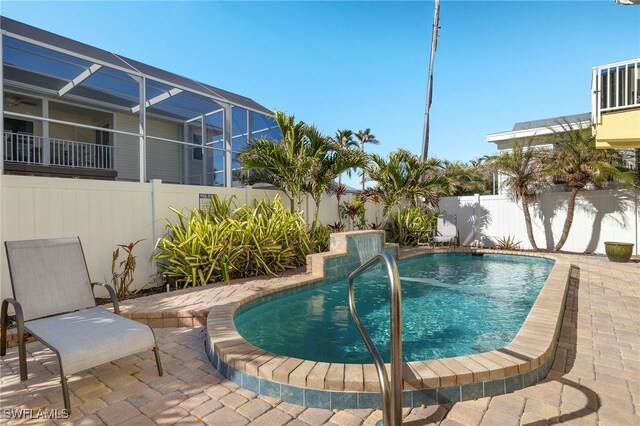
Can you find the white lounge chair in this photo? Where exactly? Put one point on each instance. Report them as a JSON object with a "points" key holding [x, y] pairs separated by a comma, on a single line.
{"points": [[54, 301], [446, 231]]}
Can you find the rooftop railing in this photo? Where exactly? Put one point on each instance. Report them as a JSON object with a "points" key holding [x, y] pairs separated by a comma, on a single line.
{"points": [[37, 150], [615, 87]]}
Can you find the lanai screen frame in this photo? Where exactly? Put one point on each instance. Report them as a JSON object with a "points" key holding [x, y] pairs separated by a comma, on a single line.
{"points": [[222, 101]]}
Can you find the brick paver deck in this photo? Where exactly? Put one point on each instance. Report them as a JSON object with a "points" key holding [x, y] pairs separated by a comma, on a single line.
{"points": [[595, 378]]}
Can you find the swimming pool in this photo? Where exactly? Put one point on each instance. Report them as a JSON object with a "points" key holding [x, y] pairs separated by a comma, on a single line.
{"points": [[453, 305], [526, 359]]}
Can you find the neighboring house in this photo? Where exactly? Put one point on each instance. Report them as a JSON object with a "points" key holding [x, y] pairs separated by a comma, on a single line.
{"points": [[536, 133], [614, 118], [74, 110], [615, 104]]}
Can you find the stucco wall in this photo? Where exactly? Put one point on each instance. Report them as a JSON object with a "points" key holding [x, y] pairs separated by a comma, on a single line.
{"points": [[619, 129]]}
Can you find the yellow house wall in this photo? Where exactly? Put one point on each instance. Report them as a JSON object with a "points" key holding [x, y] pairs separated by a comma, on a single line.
{"points": [[619, 130]]}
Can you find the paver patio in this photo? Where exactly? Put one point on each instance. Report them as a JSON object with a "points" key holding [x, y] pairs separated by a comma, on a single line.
{"points": [[595, 378]]}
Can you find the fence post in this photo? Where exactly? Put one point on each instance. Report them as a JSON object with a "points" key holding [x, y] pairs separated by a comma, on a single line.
{"points": [[476, 214], [156, 189]]}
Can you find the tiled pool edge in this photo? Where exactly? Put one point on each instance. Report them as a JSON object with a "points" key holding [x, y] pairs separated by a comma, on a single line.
{"points": [[328, 399], [525, 361]]}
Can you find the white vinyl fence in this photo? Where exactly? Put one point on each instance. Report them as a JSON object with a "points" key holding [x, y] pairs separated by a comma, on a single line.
{"points": [[107, 213], [599, 216]]}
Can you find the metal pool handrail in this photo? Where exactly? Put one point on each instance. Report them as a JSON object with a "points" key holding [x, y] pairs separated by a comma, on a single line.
{"points": [[391, 393]]}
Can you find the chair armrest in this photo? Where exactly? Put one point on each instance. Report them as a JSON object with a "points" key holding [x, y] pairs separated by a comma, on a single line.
{"points": [[112, 294], [4, 323]]}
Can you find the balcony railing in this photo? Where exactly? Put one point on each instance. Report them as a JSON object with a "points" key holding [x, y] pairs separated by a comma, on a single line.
{"points": [[615, 87], [30, 149]]}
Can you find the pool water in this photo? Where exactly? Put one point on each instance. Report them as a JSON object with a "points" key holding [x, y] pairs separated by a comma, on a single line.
{"points": [[452, 305]]}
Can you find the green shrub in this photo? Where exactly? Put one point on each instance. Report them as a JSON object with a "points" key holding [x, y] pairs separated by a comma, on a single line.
{"points": [[221, 243], [507, 242], [411, 224], [320, 237]]}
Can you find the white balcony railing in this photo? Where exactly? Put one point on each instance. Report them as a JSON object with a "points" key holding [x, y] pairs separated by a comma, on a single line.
{"points": [[615, 87], [30, 149]]}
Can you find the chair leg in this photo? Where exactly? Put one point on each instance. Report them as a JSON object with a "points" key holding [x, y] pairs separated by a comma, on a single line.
{"points": [[158, 363], [3, 328], [65, 392], [22, 350]]}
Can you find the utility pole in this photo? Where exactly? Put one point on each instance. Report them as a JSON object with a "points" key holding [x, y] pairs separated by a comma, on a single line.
{"points": [[434, 44]]}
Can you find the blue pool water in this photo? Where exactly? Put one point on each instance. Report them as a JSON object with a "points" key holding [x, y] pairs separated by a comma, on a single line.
{"points": [[452, 305]]}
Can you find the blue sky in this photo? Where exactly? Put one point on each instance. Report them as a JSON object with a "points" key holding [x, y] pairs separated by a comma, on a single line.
{"points": [[364, 64]]}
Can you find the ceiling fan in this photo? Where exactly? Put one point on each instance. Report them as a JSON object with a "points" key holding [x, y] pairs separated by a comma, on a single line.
{"points": [[15, 101]]}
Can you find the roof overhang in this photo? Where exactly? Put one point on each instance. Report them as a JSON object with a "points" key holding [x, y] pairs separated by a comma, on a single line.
{"points": [[537, 131]]}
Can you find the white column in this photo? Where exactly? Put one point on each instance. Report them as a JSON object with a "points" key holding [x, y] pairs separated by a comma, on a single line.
{"points": [[142, 128], [226, 133], [186, 161], [203, 141]]}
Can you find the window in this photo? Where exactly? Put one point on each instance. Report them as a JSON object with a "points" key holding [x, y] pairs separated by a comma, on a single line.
{"points": [[197, 152]]}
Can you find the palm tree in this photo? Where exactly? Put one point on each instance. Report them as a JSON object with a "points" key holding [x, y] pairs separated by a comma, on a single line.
{"points": [[525, 173], [467, 179], [283, 164], [344, 139], [404, 175], [330, 160], [577, 162], [364, 137]]}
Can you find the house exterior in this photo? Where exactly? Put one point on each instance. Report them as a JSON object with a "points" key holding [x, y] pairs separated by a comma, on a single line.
{"points": [[536, 133], [614, 117], [615, 104], [74, 110]]}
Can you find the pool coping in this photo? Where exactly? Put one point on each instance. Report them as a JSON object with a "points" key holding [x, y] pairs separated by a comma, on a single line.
{"points": [[523, 362]]}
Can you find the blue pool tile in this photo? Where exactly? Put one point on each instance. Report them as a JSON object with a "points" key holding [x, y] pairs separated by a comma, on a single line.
{"points": [[234, 375], [407, 399], [250, 382], [513, 383], [269, 388], [424, 397], [495, 387], [223, 368], [448, 394], [292, 394], [472, 391], [530, 378], [317, 399], [344, 400], [369, 400]]}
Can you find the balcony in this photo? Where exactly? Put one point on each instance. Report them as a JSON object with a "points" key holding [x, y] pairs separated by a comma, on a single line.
{"points": [[615, 104], [58, 157]]}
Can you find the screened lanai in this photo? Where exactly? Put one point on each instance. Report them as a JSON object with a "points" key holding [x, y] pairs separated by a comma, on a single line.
{"points": [[71, 109]]}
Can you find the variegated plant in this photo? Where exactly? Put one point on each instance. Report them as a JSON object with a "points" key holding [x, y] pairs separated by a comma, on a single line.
{"points": [[224, 242]]}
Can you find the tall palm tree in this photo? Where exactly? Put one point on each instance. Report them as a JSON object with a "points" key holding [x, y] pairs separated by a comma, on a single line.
{"points": [[330, 160], [525, 173], [577, 162], [365, 137], [344, 140], [283, 164]]}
